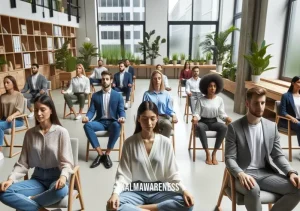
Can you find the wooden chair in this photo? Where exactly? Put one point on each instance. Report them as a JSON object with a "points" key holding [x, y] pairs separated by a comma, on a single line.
{"points": [[179, 90], [49, 89], [238, 198], [75, 190], [75, 102], [13, 130], [209, 134], [105, 133], [286, 131], [187, 109], [93, 90]]}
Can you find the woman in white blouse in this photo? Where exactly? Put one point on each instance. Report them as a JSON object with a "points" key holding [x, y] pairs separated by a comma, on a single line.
{"points": [[146, 168], [79, 87], [208, 109], [47, 148]]}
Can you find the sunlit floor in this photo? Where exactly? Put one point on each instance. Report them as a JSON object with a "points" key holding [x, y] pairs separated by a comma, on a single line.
{"points": [[203, 181]]}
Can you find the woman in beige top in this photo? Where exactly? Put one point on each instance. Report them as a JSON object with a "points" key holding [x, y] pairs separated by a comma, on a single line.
{"points": [[80, 88], [47, 148], [11, 105]]}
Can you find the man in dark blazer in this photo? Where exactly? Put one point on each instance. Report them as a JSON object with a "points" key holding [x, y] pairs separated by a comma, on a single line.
{"points": [[35, 85], [129, 68], [251, 143], [108, 105], [123, 82]]}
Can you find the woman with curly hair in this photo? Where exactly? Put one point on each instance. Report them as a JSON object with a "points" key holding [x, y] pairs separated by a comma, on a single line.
{"points": [[208, 108], [80, 88]]}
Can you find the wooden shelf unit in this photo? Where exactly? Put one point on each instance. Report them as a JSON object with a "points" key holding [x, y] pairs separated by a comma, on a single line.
{"points": [[20, 38]]}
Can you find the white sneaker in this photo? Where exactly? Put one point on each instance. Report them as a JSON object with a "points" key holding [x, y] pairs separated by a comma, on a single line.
{"points": [[78, 117], [126, 105], [31, 115], [1, 156]]}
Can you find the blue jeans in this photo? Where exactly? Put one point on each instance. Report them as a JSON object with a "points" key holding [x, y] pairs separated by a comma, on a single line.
{"points": [[4, 125], [126, 91], [95, 81], [166, 201], [111, 125], [41, 186]]}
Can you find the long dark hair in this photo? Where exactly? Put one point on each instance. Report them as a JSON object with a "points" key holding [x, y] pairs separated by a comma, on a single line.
{"points": [[13, 80], [46, 100], [294, 80], [146, 106], [185, 64]]}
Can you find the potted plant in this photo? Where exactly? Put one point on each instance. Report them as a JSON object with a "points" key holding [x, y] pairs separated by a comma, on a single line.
{"points": [[229, 70], [87, 51], [258, 60], [202, 61], [174, 58], [166, 60], [209, 60], [103, 55], [3, 65], [137, 60], [150, 48], [217, 44], [182, 58]]}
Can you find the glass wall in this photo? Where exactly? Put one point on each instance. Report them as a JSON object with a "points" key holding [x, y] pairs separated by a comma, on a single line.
{"points": [[179, 39], [237, 19], [291, 66], [199, 33]]}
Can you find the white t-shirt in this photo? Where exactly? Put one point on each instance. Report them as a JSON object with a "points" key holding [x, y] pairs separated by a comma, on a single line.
{"points": [[257, 146], [297, 106]]}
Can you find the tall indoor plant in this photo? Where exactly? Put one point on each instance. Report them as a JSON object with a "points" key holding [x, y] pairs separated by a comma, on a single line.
{"points": [[87, 51], [258, 60], [150, 47], [217, 43]]}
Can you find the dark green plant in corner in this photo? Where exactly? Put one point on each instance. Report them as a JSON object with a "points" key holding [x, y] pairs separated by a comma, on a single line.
{"points": [[257, 59], [61, 56], [71, 63], [151, 48], [87, 52]]}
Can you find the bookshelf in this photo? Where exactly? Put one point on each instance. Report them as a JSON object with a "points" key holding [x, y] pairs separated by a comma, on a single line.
{"points": [[23, 42]]}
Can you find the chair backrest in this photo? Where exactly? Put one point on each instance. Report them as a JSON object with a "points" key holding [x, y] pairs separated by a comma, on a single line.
{"points": [[277, 107], [74, 144], [48, 84], [24, 106]]}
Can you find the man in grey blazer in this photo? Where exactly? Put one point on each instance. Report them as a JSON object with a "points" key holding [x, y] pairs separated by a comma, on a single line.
{"points": [[35, 85], [251, 143]]}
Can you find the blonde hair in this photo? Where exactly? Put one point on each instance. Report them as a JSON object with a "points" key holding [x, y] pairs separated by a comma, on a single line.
{"points": [[82, 67], [162, 85]]}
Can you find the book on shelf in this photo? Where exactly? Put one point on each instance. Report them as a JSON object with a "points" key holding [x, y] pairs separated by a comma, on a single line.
{"points": [[2, 50], [4, 31], [50, 57], [23, 29], [57, 30], [23, 47], [27, 60], [37, 32], [49, 43], [17, 44]]}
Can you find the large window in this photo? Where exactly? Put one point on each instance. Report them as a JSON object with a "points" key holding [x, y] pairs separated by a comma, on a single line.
{"points": [[237, 19], [188, 23], [291, 61], [121, 25]]}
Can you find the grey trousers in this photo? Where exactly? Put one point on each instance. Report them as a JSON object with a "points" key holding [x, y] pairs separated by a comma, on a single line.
{"points": [[270, 181], [165, 125], [30, 97], [193, 100]]}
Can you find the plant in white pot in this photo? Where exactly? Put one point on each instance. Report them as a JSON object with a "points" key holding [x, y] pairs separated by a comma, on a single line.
{"points": [[209, 59], [217, 43], [174, 58], [258, 60], [182, 58], [151, 48]]}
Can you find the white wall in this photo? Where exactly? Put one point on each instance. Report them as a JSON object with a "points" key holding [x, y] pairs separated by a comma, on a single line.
{"points": [[274, 33], [157, 18], [24, 10]]}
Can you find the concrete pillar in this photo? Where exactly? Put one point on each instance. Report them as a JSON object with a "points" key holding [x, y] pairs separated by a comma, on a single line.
{"points": [[254, 15]]}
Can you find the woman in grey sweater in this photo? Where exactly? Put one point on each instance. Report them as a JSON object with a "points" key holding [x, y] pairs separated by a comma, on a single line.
{"points": [[47, 148]]}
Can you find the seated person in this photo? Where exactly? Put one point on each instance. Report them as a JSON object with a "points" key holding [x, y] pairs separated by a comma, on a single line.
{"points": [[35, 85], [80, 87], [47, 149], [208, 108], [290, 106], [185, 73], [148, 157], [253, 154], [11, 105], [192, 88], [108, 105], [162, 99], [129, 68], [96, 75], [165, 78], [123, 82]]}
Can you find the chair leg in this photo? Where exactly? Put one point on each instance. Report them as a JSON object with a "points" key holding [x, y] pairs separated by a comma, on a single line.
{"points": [[6, 143], [71, 189], [65, 107], [290, 147], [87, 151], [191, 136], [223, 154], [78, 184], [12, 139], [194, 143], [224, 184]]}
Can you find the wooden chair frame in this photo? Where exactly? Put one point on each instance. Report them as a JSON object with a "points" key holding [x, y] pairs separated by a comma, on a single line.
{"points": [[70, 112], [121, 142], [229, 178], [179, 91], [15, 130], [49, 89], [194, 148], [289, 133], [187, 109]]}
